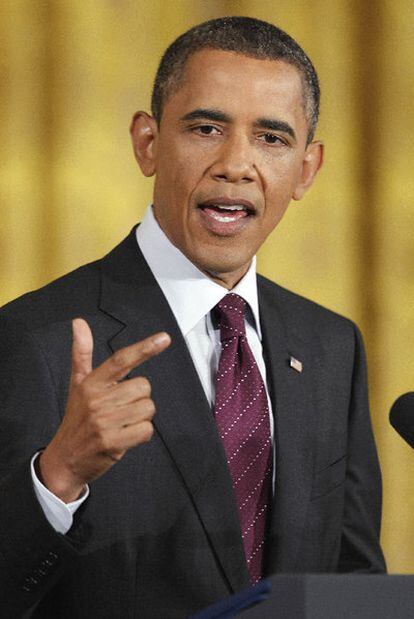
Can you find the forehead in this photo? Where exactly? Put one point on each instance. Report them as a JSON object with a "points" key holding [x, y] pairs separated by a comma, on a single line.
{"points": [[235, 82]]}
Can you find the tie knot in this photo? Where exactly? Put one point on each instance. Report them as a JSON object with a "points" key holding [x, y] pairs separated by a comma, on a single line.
{"points": [[231, 316]]}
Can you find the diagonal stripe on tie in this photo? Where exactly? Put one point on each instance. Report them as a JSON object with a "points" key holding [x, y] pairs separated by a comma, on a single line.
{"points": [[242, 418]]}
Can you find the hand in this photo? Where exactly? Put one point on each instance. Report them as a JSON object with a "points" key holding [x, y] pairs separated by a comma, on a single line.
{"points": [[103, 418]]}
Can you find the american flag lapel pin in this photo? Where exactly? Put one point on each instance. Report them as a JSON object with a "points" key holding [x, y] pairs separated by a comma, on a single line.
{"points": [[296, 364]]}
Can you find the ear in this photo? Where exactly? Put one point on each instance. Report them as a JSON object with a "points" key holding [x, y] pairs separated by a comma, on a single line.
{"points": [[144, 133], [312, 162]]}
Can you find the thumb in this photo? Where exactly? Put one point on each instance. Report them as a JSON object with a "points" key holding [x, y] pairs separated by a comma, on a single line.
{"points": [[82, 347]]}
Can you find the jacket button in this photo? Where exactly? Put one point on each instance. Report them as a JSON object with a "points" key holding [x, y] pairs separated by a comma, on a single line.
{"points": [[50, 559], [40, 573], [29, 583], [26, 586]]}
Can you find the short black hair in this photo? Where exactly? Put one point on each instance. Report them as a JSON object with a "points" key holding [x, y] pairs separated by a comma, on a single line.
{"points": [[243, 35]]}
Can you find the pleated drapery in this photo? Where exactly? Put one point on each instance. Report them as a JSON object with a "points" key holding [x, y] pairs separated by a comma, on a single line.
{"points": [[73, 73]]}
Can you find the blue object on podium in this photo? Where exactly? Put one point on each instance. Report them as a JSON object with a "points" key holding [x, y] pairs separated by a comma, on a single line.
{"points": [[229, 607], [320, 596]]}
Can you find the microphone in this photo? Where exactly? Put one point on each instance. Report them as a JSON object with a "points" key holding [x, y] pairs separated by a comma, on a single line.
{"points": [[402, 417]]}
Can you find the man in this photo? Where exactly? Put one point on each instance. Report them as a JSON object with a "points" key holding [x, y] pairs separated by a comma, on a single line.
{"points": [[111, 511]]}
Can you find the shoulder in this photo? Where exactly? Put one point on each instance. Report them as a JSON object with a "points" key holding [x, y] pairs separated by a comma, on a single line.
{"points": [[59, 300], [302, 316], [74, 294]]}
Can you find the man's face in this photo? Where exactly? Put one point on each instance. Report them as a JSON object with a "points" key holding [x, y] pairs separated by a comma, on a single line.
{"points": [[229, 155]]}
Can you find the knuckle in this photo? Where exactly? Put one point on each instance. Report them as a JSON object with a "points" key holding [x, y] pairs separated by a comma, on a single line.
{"points": [[105, 445], [146, 408], [117, 455], [97, 426], [119, 359], [94, 404], [146, 347], [150, 407], [146, 431], [144, 386]]}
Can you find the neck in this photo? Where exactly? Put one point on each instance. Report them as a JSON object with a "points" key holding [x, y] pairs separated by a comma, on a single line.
{"points": [[227, 280]]}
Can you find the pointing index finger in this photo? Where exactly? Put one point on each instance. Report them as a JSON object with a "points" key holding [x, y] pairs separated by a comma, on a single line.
{"points": [[126, 359]]}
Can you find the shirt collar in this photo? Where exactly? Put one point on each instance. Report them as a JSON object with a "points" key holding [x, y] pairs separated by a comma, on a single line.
{"points": [[182, 282]]}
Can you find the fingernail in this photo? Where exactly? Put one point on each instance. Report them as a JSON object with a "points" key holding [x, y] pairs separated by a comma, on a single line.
{"points": [[161, 338]]}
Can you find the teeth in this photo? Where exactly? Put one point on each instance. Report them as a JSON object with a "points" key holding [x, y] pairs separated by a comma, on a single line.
{"points": [[233, 207], [222, 218]]}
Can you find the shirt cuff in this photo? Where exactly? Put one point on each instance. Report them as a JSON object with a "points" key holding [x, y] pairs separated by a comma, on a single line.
{"points": [[58, 513]]}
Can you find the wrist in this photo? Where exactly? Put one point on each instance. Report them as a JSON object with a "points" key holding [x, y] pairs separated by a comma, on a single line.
{"points": [[57, 478]]}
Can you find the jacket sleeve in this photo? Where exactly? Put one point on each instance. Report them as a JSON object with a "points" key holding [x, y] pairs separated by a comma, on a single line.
{"points": [[360, 549], [32, 555]]}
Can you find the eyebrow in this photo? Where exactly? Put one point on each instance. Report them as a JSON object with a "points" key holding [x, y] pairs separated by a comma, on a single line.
{"points": [[208, 114], [219, 116], [276, 125]]}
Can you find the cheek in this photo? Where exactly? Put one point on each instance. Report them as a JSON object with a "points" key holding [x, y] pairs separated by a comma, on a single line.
{"points": [[274, 214], [280, 181], [181, 169], [176, 183], [278, 195], [170, 180]]}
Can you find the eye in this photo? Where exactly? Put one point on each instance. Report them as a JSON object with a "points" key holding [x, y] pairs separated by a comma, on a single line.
{"points": [[206, 130], [271, 138]]}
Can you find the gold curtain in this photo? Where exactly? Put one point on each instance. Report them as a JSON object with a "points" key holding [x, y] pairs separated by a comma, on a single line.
{"points": [[74, 71]]}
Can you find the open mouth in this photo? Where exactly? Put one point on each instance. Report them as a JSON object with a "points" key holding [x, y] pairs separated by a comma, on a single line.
{"points": [[227, 211]]}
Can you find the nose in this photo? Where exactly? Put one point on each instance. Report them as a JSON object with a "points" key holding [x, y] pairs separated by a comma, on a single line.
{"points": [[234, 162]]}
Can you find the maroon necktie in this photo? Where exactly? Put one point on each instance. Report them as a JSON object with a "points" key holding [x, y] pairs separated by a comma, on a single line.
{"points": [[242, 416]]}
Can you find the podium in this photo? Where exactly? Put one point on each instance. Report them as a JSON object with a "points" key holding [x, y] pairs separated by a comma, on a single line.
{"points": [[320, 596]]}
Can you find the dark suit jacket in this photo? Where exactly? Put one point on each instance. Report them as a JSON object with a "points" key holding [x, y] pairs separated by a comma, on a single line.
{"points": [[159, 535]]}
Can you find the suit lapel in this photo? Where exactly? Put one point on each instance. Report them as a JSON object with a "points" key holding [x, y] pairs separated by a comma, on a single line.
{"points": [[183, 420], [295, 425]]}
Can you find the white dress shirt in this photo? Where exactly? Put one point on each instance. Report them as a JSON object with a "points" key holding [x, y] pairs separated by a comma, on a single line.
{"points": [[191, 296]]}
